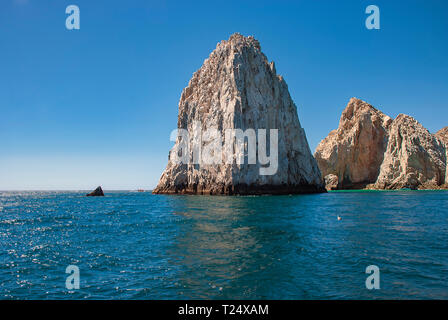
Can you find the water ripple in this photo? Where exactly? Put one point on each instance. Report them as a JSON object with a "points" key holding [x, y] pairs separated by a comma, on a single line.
{"points": [[143, 246]]}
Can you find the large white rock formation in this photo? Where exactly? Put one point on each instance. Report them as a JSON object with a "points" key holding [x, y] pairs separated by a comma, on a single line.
{"points": [[237, 88]]}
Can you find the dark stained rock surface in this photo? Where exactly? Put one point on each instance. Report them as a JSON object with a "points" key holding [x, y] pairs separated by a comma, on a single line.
{"points": [[98, 192]]}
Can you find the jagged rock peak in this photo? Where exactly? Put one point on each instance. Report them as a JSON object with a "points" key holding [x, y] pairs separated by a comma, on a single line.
{"points": [[237, 88], [414, 157], [237, 40], [354, 151], [358, 108], [442, 134]]}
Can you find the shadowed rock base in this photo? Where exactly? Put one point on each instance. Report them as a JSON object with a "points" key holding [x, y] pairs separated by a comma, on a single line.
{"points": [[242, 189]]}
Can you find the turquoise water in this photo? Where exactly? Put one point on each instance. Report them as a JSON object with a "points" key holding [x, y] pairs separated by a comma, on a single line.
{"points": [[143, 246]]}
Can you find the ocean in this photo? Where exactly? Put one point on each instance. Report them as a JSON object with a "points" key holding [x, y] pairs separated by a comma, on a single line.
{"points": [[130, 245]]}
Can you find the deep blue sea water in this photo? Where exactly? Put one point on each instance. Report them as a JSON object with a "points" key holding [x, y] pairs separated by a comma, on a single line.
{"points": [[143, 246]]}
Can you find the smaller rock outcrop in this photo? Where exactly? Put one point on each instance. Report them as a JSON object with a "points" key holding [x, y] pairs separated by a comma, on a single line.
{"points": [[98, 192], [354, 152], [442, 134], [414, 158], [370, 150]]}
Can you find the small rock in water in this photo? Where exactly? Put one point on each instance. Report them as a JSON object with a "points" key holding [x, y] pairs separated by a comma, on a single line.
{"points": [[98, 192], [339, 218]]}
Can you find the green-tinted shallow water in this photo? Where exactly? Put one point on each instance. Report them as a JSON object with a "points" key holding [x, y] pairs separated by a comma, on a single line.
{"points": [[144, 246]]}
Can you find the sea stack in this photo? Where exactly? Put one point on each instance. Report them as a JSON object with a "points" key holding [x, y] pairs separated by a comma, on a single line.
{"points": [[98, 192], [350, 157], [238, 88], [414, 158], [370, 150]]}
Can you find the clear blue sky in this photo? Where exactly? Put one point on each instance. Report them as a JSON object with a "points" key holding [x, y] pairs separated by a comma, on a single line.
{"points": [[96, 106]]}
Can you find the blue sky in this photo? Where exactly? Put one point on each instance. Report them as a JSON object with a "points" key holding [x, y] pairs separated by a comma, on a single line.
{"points": [[96, 106]]}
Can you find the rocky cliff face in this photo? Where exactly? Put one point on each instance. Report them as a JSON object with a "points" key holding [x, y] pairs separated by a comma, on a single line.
{"points": [[370, 150], [354, 152], [237, 88], [414, 157], [442, 135]]}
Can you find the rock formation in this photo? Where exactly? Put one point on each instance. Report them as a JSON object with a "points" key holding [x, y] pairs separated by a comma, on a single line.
{"points": [[354, 152], [237, 88], [331, 181], [98, 192], [442, 134], [414, 157], [370, 150]]}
